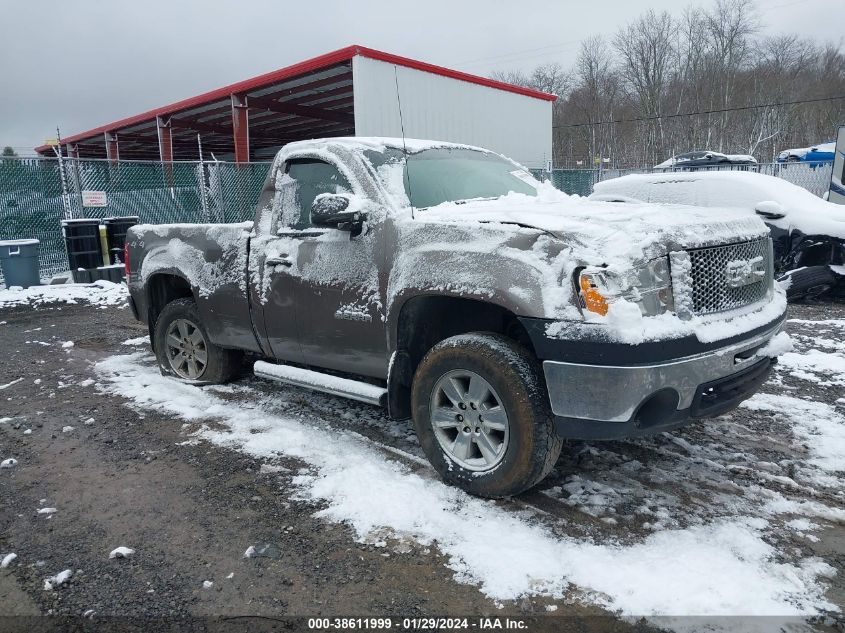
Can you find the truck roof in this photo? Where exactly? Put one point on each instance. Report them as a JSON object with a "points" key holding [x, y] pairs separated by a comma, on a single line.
{"points": [[378, 143]]}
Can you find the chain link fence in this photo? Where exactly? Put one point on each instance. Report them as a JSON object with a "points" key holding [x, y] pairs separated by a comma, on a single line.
{"points": [[37, 194], [814, 177]]}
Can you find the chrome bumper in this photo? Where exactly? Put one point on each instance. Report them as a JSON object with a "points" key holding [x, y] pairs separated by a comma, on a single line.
{"points": [[614, 394]]}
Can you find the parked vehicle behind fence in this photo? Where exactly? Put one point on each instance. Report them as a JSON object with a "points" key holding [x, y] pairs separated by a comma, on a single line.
{"points": [[444, 282], [821, 153], [704, 159], [808, 233]]}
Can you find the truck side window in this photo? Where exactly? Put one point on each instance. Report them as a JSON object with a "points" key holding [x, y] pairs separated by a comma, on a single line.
{"points": [[304, 180]]}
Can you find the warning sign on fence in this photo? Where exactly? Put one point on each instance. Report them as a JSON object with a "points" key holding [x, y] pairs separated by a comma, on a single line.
{"points": [[94, 199]]}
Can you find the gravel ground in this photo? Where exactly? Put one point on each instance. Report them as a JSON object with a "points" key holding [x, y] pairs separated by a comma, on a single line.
{"points": [[128, 476]]}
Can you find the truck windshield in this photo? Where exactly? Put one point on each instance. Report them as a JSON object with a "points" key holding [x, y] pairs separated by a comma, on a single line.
{"points": [[444, 174]]}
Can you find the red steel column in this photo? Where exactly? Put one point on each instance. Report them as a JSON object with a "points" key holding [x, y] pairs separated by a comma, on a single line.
{"points": [[240, 128], [112, 150], [165, 147], [165, 140]]}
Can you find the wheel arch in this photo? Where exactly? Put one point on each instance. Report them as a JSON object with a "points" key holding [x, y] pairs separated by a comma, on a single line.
{"points": [[424, 320], [161, 288]]}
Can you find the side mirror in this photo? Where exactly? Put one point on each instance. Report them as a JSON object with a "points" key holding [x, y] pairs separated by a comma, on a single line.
{"points": [[332, 210], [770, 210]]}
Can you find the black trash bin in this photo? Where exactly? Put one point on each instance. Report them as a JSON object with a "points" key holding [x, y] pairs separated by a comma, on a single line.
{"points": [[82, 239], [116, 236]]}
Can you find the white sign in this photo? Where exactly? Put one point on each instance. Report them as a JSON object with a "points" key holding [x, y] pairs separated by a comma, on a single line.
{"points": [[94, 199]]}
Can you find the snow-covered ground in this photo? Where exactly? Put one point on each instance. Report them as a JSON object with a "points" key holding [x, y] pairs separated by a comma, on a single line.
{"points": [[100, 293], [707, 521]]}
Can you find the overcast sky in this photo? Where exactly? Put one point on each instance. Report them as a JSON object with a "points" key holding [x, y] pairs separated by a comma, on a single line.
{"points": [[85, 63]]}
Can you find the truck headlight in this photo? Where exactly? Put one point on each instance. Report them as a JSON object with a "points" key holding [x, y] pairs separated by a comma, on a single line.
{"points": [[649, 286]]}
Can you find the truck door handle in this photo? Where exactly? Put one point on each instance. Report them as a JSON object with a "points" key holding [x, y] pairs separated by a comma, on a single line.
{"points": [[279, 261]]}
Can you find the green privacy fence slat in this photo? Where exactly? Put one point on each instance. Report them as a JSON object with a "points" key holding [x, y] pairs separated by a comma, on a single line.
{"points": [[34, 200]]}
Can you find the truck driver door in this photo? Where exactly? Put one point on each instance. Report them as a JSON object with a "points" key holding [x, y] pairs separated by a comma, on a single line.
{"points": [[337, 291]]}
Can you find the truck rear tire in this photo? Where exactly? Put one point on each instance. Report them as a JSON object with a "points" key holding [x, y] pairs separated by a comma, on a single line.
{"points": [[809, 283], [184, 350], [482, 415]]}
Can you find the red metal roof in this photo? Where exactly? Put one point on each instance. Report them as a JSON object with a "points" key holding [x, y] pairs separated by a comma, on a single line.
{"points": [[316, 63]]}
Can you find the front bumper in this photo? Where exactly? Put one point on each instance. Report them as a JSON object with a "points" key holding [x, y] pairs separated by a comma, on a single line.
{"points": [[606, 401]]}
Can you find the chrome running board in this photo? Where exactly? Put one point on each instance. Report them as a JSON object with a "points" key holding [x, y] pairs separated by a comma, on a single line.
{"points": [[318, 381]]}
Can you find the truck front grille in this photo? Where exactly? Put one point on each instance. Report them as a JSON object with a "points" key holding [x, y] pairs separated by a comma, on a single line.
{"points": [[723, 278]]}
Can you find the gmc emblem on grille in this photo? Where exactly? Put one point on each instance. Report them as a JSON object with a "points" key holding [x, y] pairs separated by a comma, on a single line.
{"points": [[745, 272]]}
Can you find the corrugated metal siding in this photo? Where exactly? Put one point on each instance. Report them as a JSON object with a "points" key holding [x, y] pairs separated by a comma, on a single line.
{"points": [[445, 109]]}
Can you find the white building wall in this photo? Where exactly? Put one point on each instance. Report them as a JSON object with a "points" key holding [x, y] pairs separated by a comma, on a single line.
{"points": [[445, 109]]}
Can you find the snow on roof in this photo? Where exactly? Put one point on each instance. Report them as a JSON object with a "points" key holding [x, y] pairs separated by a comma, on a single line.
{"points": [[378, 143], [803, 151], [684, 158]]}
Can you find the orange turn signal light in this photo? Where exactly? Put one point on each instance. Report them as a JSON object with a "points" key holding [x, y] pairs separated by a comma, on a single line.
{"points": [[593, 299]]}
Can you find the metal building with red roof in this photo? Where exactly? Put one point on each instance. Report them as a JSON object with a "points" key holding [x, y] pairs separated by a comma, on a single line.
{"points": [[354, 91]]}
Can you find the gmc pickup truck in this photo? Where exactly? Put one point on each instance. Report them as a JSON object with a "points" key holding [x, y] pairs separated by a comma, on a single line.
{"points": [[446, 284]]}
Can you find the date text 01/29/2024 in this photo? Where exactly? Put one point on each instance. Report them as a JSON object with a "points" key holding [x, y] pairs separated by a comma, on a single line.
{"points": [[414, 624]]}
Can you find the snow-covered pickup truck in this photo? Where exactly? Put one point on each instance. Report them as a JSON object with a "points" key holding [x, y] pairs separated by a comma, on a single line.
{"points": [[444, 282]]}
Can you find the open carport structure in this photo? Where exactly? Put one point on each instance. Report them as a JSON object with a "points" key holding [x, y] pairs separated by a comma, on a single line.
{"points": [[352, 91]]}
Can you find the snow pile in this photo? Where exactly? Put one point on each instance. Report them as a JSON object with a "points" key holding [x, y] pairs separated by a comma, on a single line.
{"points": [[121, 552], [8, 559], [99, 293], [141, 340], [779, 344], [59, 579], [722, 567]]}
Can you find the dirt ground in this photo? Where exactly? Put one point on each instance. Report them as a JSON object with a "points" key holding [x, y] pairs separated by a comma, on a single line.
{"points": [[126, 476]]}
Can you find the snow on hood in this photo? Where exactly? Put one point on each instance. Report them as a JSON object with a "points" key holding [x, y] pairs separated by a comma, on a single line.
{"points": [[745, 191], [604, 232]]}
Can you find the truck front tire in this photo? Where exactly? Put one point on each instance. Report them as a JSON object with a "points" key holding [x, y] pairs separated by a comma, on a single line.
{"points": [[184, 350], [482, 415]]}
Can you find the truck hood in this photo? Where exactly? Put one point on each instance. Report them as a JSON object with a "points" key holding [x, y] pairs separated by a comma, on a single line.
{"points": [[606, 230]]}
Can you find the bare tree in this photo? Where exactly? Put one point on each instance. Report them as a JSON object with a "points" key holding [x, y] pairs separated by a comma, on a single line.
{"points": [[597, 93], [692, 82], [646, 48], [513, 77], [731, 24]]}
